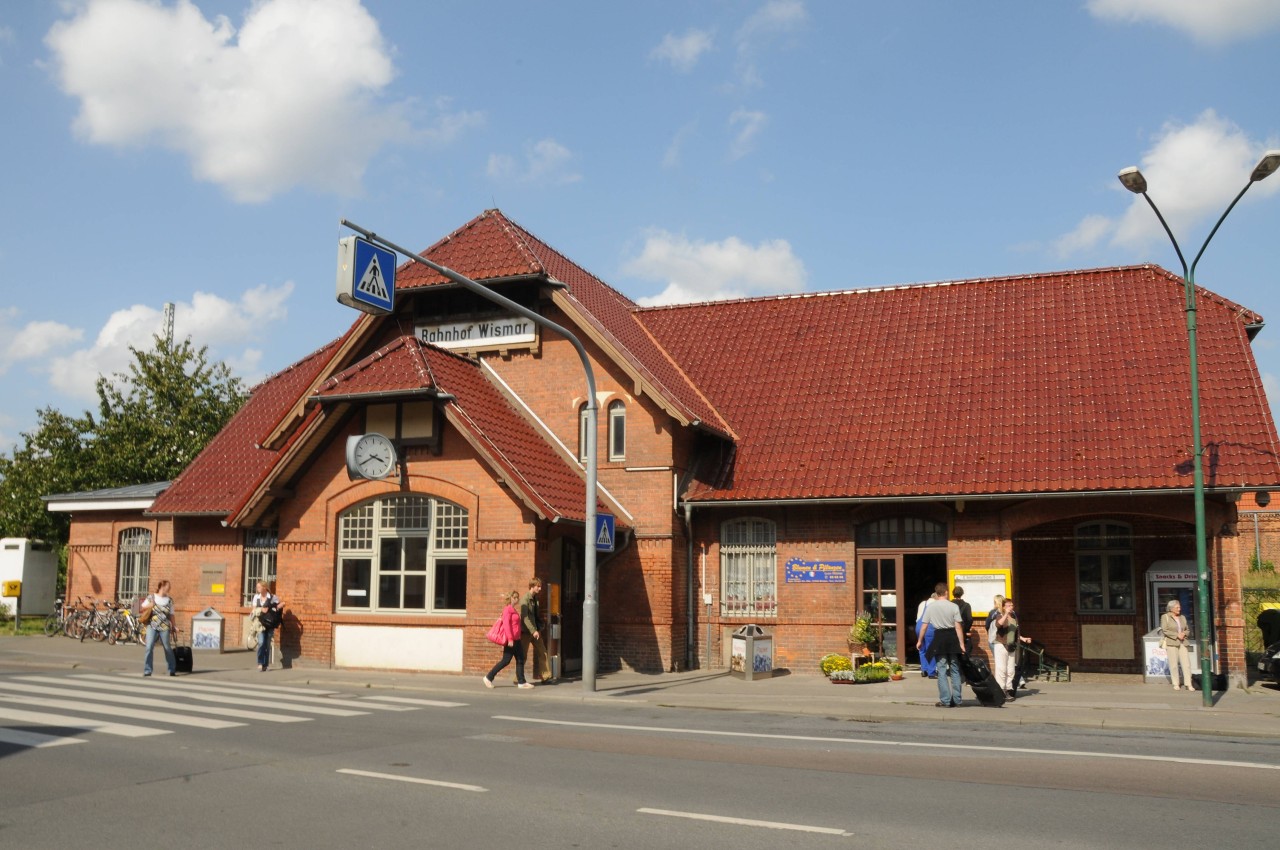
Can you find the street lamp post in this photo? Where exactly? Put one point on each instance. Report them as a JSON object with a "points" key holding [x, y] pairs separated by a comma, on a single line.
{"points": [[1134, 181], [590, 603]]}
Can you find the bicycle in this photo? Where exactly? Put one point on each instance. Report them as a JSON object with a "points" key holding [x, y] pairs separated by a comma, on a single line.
{"points": [[125, 628], [56, 621]]}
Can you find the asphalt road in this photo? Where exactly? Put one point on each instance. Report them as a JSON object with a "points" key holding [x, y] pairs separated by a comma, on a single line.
{"points": [[200, 762]]}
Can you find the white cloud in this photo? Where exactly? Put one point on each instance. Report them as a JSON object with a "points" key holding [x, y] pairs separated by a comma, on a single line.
{"points": [[254, 111], [682, 52], [35, 340], [1213, 22], [1091, 230], [224, 326], [749, 124], [671, 157], [1193, 171], [774, 19], [713, 271], [545, 162]]}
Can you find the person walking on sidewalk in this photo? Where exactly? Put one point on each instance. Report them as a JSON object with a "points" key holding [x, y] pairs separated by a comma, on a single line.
{"points": [[966, 616], [508, 627], [942, 617], [159, 626], [531, 631], [1173, 637], [923, 636], [1007, 638], [267, 608]]}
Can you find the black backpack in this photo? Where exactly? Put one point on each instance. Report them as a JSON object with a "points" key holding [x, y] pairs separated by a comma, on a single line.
{"points": [[270, 617]]}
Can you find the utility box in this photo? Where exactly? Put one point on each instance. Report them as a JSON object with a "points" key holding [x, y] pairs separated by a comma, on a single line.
{"points": [[33, 563], [1155, 661], [751, 653], [206, 630]]}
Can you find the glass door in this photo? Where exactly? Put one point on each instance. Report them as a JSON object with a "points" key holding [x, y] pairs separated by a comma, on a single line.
{"points": [[881, 577]]}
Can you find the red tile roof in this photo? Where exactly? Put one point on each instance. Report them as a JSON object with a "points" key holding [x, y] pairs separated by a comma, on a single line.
{"points": [[233, 463], [1075, 381], [492, 246]]}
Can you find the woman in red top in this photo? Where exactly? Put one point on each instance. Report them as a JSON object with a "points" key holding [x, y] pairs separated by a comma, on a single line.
{"points": [[511, 647]]}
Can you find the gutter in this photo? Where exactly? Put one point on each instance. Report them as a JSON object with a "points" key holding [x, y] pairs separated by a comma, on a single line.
{"points": [[965, 497]]}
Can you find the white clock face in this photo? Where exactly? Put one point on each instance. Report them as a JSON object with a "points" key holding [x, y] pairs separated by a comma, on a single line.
{"points": [[373, 456]]}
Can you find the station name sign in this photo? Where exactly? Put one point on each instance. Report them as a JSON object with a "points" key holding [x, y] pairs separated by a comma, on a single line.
{"points": [[479, 333]]}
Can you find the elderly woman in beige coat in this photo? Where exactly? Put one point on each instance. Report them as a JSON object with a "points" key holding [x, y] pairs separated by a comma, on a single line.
{"points": [[1173, 637]]}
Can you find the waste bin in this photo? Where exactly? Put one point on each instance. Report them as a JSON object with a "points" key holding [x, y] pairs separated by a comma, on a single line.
{"points": [[751, 653], [206, 630]]}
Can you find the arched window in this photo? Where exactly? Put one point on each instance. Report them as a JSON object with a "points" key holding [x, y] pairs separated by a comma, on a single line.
{"points": [[617, 430], [584, 428], [133, 570], [902, 533], [403, 554], [1104, 567], [748, 568]]}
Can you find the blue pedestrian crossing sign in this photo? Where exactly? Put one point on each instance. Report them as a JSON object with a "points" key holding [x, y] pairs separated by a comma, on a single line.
{"points": [[366, 276], [604, 532]]}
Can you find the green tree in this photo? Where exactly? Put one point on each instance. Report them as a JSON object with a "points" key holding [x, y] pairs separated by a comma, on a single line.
{"points": [[152, 421]]}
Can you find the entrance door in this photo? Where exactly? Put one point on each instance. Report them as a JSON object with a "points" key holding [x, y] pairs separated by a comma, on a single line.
{"points": [[881, 578], [572, 592], [921, 573]]}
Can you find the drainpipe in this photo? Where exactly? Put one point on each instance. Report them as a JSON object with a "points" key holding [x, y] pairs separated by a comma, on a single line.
{"points": [[690, 621]]}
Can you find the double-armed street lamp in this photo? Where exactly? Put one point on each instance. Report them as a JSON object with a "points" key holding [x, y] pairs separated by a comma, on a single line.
{"points": [[1134, 181]]}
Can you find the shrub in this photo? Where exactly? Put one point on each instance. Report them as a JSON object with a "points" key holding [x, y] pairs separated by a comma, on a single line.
{"points": [[871, 673], [833, 662]]}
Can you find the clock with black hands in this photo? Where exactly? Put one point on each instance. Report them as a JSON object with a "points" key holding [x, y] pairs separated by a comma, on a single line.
{"points": [[371, 456]]}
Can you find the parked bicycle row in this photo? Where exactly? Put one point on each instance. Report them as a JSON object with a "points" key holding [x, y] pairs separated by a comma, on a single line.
{"points": [[101, 620]]}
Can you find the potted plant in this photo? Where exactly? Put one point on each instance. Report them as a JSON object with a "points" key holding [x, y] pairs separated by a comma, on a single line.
{"points": [[895, 669], [864, 634], [835, 663]]}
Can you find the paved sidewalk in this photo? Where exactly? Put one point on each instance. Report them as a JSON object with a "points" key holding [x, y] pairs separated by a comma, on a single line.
{"points": [[1096, 701]]}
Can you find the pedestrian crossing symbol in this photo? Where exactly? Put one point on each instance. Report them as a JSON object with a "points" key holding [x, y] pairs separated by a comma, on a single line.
{"points": [[366, 276], [604, 532]]}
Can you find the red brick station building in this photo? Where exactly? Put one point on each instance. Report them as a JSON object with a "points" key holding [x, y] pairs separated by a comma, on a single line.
{"points": [[786, 461]]}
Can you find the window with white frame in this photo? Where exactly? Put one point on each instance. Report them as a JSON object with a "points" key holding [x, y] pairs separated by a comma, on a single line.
{"points": [[1104, 568], [403, 554], [748, 568], [259, 560], [617, 430], [584, 428], [134, 565]]}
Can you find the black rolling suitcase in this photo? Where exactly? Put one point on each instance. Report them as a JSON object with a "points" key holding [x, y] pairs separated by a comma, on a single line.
{"points": [[182, 659], [978, 675]]}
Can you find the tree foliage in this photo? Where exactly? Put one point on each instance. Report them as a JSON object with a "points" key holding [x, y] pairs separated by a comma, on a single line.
{"points": [[152, 421]]}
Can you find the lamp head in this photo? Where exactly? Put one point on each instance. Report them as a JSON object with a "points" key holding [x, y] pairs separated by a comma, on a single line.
{"points": [[1133, 180], [1266, 166]]}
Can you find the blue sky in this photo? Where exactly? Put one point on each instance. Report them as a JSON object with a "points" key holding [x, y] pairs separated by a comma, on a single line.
{"points": [[203, 152]]}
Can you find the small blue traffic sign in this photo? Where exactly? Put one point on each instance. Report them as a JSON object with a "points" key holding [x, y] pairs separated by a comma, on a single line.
{"points": [[604, 532], [366, 276]]}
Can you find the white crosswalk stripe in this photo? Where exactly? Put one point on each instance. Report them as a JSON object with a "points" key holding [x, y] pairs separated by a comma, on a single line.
{"points": [[38, 711]]}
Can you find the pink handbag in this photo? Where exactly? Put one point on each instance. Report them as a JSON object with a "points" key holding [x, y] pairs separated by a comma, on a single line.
{"points": [[495, 634]]}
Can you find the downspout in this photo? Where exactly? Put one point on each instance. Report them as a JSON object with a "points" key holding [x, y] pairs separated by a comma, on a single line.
{"points": [[690, 620]]}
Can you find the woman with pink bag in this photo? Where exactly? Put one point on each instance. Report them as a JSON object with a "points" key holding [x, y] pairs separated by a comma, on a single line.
{"points": [[506, 633]]}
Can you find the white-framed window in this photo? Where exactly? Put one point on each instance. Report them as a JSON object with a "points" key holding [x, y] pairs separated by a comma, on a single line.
{"points": [[403, 554], [617, 430], [259, 560], [748, 568], [1104, 568], [584, 428], [134, 565]]}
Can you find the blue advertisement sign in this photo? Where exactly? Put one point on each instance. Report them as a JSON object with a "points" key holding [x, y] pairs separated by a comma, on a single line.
{"points": [[831, 572]]}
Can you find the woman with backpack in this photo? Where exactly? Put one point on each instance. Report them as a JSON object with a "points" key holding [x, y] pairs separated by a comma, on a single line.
{"points": [[267, 608]]}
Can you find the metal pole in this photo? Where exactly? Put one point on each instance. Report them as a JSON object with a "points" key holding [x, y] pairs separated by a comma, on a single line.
{"points": [[590, 603], [1203, 633]]}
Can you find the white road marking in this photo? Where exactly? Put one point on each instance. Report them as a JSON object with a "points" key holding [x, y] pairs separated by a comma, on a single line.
{"points": [[202, 692], [43, 718], [132, 698], [867, 742], [434, 703], [767, 824], [282, 695], [121, 711], [23, 738], [413, 779]]}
